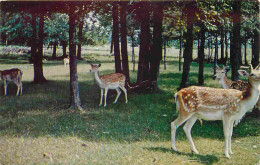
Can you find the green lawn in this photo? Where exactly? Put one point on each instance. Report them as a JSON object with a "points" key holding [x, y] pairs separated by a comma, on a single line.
{"points": [[38, 127]]}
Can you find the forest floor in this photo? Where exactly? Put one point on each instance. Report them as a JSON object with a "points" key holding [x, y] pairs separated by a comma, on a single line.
{"points": [[38, 127]]}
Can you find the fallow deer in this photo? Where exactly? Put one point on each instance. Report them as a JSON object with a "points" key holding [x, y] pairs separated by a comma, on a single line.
{"points": [[225, 83], [66, 61], [12, 75], [111, 81], [228, 105]]}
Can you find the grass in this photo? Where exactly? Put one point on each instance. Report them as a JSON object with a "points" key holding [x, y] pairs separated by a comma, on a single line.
{"points": [[38, 127]]}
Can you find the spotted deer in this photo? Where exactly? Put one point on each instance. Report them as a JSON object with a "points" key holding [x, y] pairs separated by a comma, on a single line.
{"points": [[111, 81], [225, 83], [228, 105], [66, 61], [12, 75]]}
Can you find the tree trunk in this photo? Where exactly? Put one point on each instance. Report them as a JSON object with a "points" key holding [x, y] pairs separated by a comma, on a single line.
{"points": [[33, 39], [112, 42], [226, 48], [201, 54], [133, 51], [156, 49], [54, 53], [75, 102], [222, 59], [255, 46], [216, 50], [38, 66], [164, 54], [64, 49], [116, 38], [144, 51], [124, 41], [235, 40], [80, 37], [180, 52], [187, 51], [245, 53]]}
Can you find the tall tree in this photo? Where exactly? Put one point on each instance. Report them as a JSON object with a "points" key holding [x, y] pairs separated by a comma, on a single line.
{"points": [[37, 60], [81, 22], [156, 48], [123, 6], [187, 55], [201, 53], [75, 102], [255, 46], [144, 51], [235, 51], [116, 37]]}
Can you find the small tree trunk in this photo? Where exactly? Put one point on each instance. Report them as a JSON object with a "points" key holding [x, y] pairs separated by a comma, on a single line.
{"points": [[187, 53], [201, 55], [33, 39], [133, 52], [245, 53], [226, 48], [38, 66], [180, 51], [124, 41], [164, 55], [222, 59], [75, 102], [64, 49], [54, 53], [116, 38], [216, 50], [80, 38]]}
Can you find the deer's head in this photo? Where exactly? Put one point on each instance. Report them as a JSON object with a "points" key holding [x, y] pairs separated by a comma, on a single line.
{"points": [[220, 72], [253, 75], [94, 68]]}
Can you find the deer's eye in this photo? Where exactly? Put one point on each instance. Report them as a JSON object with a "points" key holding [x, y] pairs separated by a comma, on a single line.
{"points": [[252, 74]]}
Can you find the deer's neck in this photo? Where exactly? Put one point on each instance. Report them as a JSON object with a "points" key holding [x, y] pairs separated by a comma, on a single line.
{"points": [[97, 78], [250, 95], [225, 83]]}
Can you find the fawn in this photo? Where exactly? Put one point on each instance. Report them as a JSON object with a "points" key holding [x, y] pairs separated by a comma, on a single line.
{"points": [[12, 75], [111, 81]]}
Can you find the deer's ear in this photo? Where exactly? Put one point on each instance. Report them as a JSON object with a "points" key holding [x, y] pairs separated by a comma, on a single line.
{"points": [[99, 65], [243, 73]]}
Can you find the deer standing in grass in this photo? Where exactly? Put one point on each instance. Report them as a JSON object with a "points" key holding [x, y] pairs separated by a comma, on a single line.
{"points": [[111, 81], [228, 105], [66, 61], [12, 75], [225, 83]]}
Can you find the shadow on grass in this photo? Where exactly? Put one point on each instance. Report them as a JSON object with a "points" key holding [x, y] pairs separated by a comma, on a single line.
{"points": [[203, 159], [43, 110]]}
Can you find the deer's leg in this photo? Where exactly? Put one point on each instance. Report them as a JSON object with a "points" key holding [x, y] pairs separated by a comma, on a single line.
{"points": [[230, 138], [187, 128], [21, 88], [125, 91], [105, 102], [227, 132], [5, 86], [18, 88], [174, 125], [118, 94], [101, 96]]}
